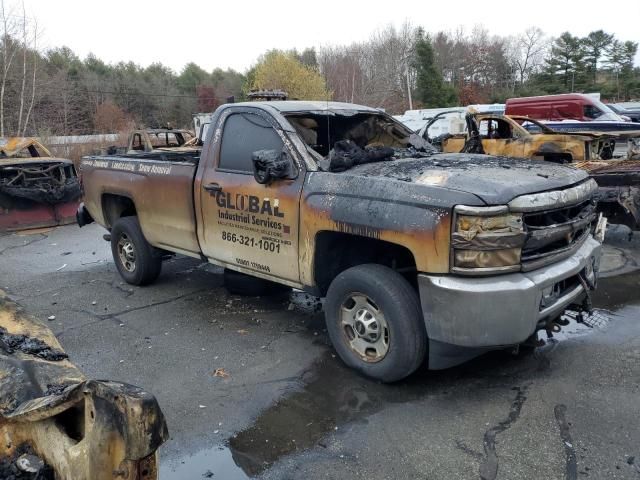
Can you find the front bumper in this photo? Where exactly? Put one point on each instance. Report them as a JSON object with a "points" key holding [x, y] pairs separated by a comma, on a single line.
{"points": [[465, 316]]}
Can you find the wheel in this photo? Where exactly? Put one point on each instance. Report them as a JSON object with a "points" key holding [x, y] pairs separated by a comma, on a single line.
{"points": [[238, 283], [375, 323], [138, 262]]}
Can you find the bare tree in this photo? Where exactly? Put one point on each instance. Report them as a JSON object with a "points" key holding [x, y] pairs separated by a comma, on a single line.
{"points": [[19, 57], [9, 51], [528, 52], [34, 46], [376, 72]]}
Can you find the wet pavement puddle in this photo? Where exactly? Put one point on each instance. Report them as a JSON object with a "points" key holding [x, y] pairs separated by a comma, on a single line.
{"points": [[216, 462], [334, 397], [616, 292]]}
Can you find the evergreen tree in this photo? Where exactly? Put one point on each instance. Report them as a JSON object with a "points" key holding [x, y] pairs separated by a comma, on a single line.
{"points": [[594, 46], [431, 89], [565, 62]]}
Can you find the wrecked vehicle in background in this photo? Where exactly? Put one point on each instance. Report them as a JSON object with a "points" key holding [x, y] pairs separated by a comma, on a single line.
{"points": [[618, 180], [574, 113], [161, 140], [57, 424], [505, 135], [412, 249], [618, 189], [36, 189]]}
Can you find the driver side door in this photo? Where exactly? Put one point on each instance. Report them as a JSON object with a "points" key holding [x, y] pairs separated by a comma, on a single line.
{"points": [[498, 138], [249, 226]]}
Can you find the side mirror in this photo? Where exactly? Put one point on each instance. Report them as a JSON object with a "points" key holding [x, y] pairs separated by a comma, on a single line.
{"points": [[269, 165]]}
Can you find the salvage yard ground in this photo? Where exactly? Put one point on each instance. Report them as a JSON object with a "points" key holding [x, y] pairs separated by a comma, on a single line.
{"points": [[250, 386]]}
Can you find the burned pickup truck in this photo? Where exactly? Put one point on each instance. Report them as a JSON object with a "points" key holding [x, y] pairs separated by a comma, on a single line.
{"points": [[36, 189], [412, 249]]}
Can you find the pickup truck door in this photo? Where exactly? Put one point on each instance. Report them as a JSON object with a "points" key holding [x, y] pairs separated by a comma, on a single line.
{"points": [[246, 225]]}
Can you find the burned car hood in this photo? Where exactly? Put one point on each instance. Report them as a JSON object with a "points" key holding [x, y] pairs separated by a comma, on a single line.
{"points": [[495, 180]]}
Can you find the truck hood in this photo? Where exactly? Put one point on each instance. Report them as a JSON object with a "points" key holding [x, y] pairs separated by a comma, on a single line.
{"points": [[495, 180]]}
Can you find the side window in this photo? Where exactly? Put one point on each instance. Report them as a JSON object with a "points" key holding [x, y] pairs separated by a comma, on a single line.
{"points": [[591, 112], [503, 130], [137, 142], [483, 129], [172, 141], [495, 129], [243, 134]]}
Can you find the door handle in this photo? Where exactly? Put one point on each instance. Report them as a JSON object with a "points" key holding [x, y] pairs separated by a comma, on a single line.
{"points": [[213, 187]]}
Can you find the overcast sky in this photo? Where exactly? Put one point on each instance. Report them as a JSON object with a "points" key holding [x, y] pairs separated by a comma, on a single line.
{"points": [[234, 33]]}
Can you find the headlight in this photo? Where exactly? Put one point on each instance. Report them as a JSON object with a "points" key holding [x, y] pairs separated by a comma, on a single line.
{"points": [[486, 240]]}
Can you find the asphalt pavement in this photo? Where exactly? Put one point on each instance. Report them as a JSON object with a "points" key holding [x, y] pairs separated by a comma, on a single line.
{"points": [[251, 387]]}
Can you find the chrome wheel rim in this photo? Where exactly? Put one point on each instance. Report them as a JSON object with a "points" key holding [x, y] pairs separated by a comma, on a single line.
{"points": [[127, 253], [364, 327]]}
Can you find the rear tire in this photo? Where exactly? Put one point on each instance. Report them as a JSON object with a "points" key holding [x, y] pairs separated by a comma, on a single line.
{"points": [[137, 261], [375, 322]]}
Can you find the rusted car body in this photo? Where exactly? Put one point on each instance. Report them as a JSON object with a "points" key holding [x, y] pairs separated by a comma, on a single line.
{"points": [[36, 189], [504, 135], [82, 429], [307, 194]]}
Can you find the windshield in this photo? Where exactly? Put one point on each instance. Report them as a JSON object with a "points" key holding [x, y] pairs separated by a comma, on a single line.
{"points": [[339, 141], [445, 123], [601, 112]]}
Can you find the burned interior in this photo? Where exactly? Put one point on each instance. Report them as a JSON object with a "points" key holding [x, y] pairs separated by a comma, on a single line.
{"points": [[28, 172], [43, 182], [341, 141]]}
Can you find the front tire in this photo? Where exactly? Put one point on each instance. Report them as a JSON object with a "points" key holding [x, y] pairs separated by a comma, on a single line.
{"points": [[375, 322], [137, 261]]}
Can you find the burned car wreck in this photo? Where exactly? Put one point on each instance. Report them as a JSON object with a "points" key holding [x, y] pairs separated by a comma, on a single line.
{"points": [[55, 423], [36, 189]]}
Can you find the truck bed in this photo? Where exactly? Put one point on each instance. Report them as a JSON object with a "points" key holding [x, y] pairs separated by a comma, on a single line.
{"points": [[159, 184]]}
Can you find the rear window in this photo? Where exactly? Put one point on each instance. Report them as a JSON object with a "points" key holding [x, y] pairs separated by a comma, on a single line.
{"points": [[243, 134]]}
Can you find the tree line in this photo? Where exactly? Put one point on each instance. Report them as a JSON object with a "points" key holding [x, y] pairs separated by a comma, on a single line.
{"points": [[54, 92], [405, 68]]}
